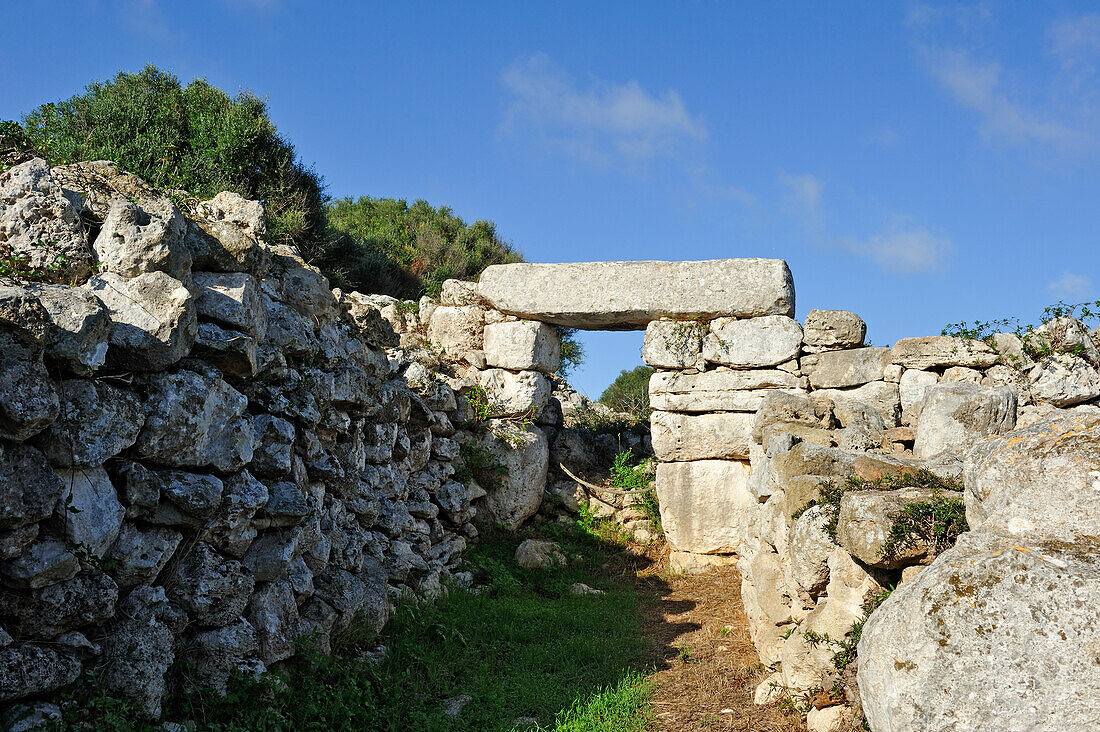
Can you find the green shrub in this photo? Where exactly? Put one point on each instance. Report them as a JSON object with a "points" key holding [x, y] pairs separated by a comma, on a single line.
{"points": [[935, 523], [195, 138], [430, 244], [629, 392]]}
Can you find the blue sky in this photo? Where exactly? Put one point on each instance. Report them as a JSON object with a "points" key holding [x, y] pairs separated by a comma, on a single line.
{"points": [[918, 164]]}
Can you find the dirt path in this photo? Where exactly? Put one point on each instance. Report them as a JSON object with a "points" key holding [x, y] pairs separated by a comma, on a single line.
{"points": [[707, 666]]}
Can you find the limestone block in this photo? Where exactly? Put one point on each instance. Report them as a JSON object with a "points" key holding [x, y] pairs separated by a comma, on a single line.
{"points": [[932, 352], [233, 352], [1064, 380], [1041, 480], [153, 318], [754, 342], [914, 383], [90, 514], [680, 437], [133, 240], [458, 292], [231, 299], [97, 422], [688, 563], [512, 394], [865, 521], [29, 488], [539, 553], [618, 295], [522, 344], [883, 396], [213, 590], [786, 410], [140, 553], [999, 633], [80, 326], [703, 504], [28, 399], [838, 369], [956, 416], [524, 455], [718, 390], [834, 329], [457, 330], [672, 344], [961, 375], [811, 548], [27, 669]]}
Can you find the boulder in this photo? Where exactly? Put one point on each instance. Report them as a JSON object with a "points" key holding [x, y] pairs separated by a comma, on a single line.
{"points": [[41, 564], [29, 670], [518, 494], [512, 394], [459, 292], [213, 655], [231, 299], [140, 553], [999, 633], [273, 614], [271, 553], [212, 590], [195, 421], [139, 650], [718, 390], [704, 504], [754, 342], [1038, 481], [226, 235], [866, 519], [811, 548], [618, 295], [954, 417], [133, 240], [1064, 335], [680, 437], [932, 352], [87, 599], [29, 488], [538, 554], [233, 352], [839, 369], [97, 422], [673, 344], [1064, 380], [522, 344], [153, 320], [90, 513], [457, 330], [834, 329], [883, 396], [231, 528], [38, 223], [28, 399], [80, 326], [914, 383]]}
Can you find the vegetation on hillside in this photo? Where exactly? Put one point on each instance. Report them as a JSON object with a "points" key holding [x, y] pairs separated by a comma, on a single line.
{"points": [[629, 392]]}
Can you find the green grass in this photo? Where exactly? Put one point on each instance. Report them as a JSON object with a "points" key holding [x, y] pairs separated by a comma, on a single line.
{"points": [[524, 648]]}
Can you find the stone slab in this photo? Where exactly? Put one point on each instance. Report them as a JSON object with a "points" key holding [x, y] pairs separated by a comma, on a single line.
{"points": [[704, 504], [628, 295]]}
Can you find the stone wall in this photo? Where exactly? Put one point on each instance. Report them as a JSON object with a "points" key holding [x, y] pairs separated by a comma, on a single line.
{"points": [[205, 452]]}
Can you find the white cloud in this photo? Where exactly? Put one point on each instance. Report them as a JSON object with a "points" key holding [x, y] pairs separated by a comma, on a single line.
{"points": [[904, 249], [1073, 286], [601, 122], [146, 18], [805, 191], [978, 86]]}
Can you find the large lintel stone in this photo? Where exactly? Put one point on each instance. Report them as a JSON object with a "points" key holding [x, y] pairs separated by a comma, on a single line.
{"points": [[628, 295]]}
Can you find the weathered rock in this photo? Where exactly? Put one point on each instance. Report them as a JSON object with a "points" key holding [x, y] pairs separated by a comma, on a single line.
{"points": [[784, 409], [620, 295], [90, 513], [39, 223], [838, 369], [97, 421], [956, 416], [41, 564], [213, 590], [226, 235], [511, 394], [459, 292], [912, 388], [231, 529], [233, 352], [1064, 380], [932, 352], [231, 299], [865, 521], [719, 390], [998, 633], [673, 344], [1039, 481], [273, 614], [539, 553], [80, 326], [195, 421], [1063, 335], [139, 650], [754, 342], [29, 489], [522, 344], [457, 330], [688, 563], [884, 397], [834, 329], [28, 717], [704, 504], [274, 438], [140, 554], [811, 548], [133, 240], [517, 495], [213, 655], [28, 399], [722, 436], [153, 320], [24, 323], [86, 599], [271, 553], [28, 670]]}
